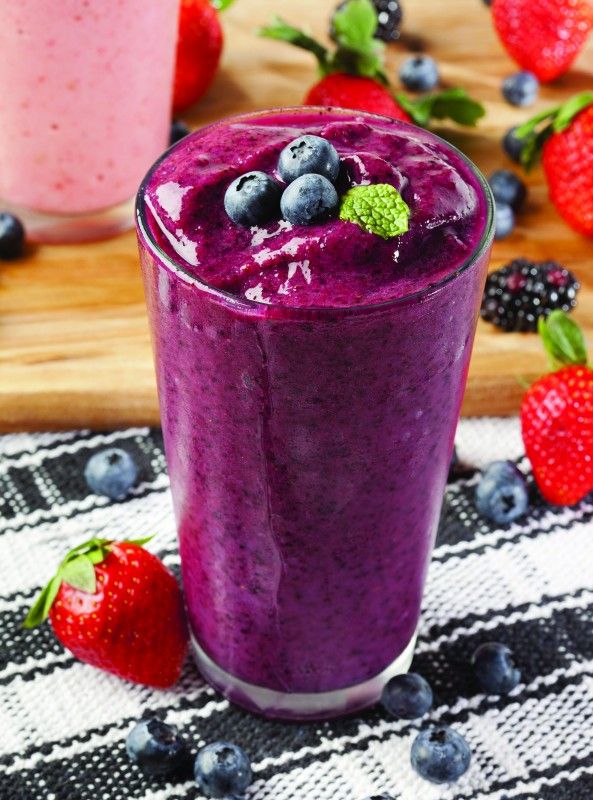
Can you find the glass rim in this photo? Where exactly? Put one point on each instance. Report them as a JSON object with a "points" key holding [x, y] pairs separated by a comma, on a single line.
{"points": [[254, 307]]}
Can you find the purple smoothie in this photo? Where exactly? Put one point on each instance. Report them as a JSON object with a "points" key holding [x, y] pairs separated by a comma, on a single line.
{"points": [[310, 381]]}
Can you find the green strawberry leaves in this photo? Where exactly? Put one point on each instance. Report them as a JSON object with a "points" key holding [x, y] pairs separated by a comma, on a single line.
{"points": [[536, 131], [284, 32], [44, 601], [454, 104], [357, 51], [563, 340], [378, 208], [77, 569], [222, 5]]}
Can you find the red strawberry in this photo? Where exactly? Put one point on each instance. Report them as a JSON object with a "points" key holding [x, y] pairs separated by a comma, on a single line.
{"points": [[557, 416], [115, 606], [352, 76], [564, 136], [361, 94], [543, 36], [198, 52]]}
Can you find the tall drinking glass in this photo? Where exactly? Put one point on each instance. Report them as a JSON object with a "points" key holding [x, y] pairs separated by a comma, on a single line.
{"points": [[308, 445], [85, 108]]}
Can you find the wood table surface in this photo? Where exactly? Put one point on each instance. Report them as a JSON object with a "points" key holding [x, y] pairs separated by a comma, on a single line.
{"points": [[74, 342]]}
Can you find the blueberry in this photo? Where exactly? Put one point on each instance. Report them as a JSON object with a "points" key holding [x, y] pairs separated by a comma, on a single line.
{"points": [[407, 696], [222, 769], [308, 199], [383, 796], [520, 89], [179, 130], [440, 754], [419, 73], [501, 494], [508, 188], [504, 221], [513, 145], [156, 747], [252, 199], [495, 669], [309, 154], [12, 236], [111, 472]]}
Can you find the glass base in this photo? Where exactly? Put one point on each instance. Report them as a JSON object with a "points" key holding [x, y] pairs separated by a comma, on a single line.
{"points": [[66, 229], [297, 706]]}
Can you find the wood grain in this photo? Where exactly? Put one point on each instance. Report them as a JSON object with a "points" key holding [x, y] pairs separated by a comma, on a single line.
{"points": [[74, 344]]}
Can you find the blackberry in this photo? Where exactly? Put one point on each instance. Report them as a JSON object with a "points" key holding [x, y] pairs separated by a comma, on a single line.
{"points": [[389, 19], [519, 293], [390, 16]]}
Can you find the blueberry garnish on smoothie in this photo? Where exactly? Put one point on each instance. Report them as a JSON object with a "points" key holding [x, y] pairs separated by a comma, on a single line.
{"points": [[252, 199], [309, 154], [310, 166], [310, 198]]}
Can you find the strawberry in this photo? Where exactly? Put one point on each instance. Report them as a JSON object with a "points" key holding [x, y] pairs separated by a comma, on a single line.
{"points": [[350, 91], [564, 138], [115, 606], [199, 46], [543, 36], [557, 416], [352, 76]]}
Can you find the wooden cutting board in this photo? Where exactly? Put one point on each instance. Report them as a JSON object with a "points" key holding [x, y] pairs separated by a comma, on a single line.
{"points": [[74, 344]]}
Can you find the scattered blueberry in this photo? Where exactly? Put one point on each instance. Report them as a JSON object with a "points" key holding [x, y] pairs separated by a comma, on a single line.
{"points": [[419, 73], [252, 199], [513, 145], [12, 236], [309, 154], [504, 221], [111, 472], [156, 747], [179, 130], [495, 669], [501, 494], [308, 199], [508, 188], [380, 797], [440, 754], [487, 2], [222, 769], [407, 696], [520, 89], [453, 464]]}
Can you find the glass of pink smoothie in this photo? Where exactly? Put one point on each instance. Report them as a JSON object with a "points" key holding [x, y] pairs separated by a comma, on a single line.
{"points": [[85, 108], [310, 380]]}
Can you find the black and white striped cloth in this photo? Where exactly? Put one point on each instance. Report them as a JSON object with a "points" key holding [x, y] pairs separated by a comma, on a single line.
{"points": [[63, 724]]}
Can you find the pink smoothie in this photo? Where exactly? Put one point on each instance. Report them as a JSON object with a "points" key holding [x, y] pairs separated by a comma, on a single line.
{"points": [[85, 98]]}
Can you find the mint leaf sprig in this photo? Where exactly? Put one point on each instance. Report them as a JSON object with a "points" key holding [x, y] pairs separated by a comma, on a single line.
{"points": [[77, 569], [536, 131], [563, 340], [377, 208]]}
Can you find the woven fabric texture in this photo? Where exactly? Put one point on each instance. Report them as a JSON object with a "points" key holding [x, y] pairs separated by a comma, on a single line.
{"points": [[63, 724]]}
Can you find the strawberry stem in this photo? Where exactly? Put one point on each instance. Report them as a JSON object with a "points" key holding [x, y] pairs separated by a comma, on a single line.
{"points": [[454, 104], [555, 120], [357, 51], [77, 569], [563, 340]]}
